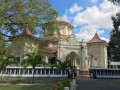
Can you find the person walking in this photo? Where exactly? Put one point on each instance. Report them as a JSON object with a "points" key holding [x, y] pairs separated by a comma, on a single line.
{"points": [[75, 72]]}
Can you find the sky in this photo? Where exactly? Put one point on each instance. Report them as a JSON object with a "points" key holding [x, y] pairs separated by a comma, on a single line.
{"points": [[87, 17]]}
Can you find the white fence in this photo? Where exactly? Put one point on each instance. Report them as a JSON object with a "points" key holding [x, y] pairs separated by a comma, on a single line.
{"points": [[104, 73], [115, 63], [39, 72]]}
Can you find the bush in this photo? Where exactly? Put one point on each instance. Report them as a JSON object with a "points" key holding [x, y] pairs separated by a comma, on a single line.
{"points": [[60, 86], [66, 82], [53, 87]]}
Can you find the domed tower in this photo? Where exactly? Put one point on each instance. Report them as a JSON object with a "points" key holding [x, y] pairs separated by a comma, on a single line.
{"points": [[65, 30], [97, 51]]}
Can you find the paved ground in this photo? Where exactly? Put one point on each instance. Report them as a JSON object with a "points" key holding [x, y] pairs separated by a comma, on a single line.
{"points": [[86, 83]]}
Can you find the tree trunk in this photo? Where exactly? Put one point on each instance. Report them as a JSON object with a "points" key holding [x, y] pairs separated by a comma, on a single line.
{"points": [[33, 74], [1, 74]]}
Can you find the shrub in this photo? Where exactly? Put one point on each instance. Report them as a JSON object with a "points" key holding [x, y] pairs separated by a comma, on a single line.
{"points": [[53, 87], [60, 86], [66, 82]]}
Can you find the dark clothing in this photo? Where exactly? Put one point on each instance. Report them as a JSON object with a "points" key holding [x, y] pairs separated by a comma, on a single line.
{"points": [[94, 75], [69, 74], [75, 72]]}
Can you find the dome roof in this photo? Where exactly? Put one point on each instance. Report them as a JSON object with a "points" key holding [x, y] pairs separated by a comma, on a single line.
{"points": [[96, 39]]}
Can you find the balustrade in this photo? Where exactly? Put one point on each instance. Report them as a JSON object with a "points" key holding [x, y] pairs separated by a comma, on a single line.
{"points": [[39, 72], [104, 73]]}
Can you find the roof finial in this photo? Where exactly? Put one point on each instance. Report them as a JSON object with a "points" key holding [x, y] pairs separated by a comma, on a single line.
{"points": [[58, 18], [96, 31]]}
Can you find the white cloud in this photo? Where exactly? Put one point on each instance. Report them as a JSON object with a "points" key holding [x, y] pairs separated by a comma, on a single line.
{"points": [[97, 16], [94, 18], [106, 39], [87, 32], [75, 8], [66, 18], [93, 1]]}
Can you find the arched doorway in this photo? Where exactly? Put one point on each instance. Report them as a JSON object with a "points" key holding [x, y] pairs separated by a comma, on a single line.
{"points": [[74, 58]]}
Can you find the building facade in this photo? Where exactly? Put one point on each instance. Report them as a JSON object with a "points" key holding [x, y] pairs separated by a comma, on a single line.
{"points": [[82, 54]]}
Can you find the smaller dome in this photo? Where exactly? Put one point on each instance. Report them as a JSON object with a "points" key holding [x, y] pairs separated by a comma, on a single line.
{"points": [[58, 18]]}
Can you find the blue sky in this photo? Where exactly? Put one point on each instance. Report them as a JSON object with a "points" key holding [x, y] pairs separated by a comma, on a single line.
{"points": [[87, 16]]}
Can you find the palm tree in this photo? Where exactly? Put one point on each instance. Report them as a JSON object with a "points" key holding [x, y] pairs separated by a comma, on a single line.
{"points": [[5, 61], [62, 65], [33, 60]]}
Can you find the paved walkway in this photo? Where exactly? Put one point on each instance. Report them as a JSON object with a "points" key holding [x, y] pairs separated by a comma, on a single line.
{"points": [[86, 83]]}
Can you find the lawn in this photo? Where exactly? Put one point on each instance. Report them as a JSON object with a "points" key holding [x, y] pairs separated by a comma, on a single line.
{"points": [[21, 87]]}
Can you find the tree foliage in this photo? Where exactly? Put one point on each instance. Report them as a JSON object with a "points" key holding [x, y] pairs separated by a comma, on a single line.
{"points": [[5, 61], [15, 15], [116, 2], [114, 44], [62, 65], [33, 60]]}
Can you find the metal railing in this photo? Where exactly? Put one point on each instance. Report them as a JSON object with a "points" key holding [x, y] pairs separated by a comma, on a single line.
{"points": [[28, 72], [104, 73]]}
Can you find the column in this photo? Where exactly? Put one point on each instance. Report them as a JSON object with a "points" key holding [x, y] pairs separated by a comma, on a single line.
{"points": [[49, 72], [32, 71], [15, 71], [61, 72], [53, 72], [75, 61], [5, 71], [10, 71], [65, 72], [45, 71], [41, 71], [37, 71], [28, 71], [19, 71]]}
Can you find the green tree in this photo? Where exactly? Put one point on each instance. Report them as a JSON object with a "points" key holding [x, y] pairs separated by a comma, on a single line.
{"points": [[2, 45], [62, 65], [114, 44], [33, 60], [17, 14], [5, 61], [116, 2]]}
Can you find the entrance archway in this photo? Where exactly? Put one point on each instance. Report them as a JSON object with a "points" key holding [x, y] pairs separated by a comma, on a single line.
{"points": [[73, 57]]}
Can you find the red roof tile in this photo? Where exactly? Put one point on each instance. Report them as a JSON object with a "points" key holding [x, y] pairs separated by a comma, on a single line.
{"points": [[96, 39], [59, 20], [26, 32], [55, 37], [50, 50]]}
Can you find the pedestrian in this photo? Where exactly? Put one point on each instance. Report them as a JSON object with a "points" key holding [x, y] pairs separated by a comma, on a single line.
{"points": [[94, 75], [69, 73], [75, 72]]}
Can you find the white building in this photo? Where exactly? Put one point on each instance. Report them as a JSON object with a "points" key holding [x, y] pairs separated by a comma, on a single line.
{"points": [[82, 54]]}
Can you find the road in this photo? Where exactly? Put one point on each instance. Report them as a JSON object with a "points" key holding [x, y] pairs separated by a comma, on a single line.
{"points": [[86, 83]]}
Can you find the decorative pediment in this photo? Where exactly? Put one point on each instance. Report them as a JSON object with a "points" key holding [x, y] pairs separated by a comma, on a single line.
{"points": [[72, 38]]}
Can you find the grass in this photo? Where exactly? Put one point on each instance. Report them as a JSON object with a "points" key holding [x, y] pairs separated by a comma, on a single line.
{"points": [[28, 80], [22, 87]]}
